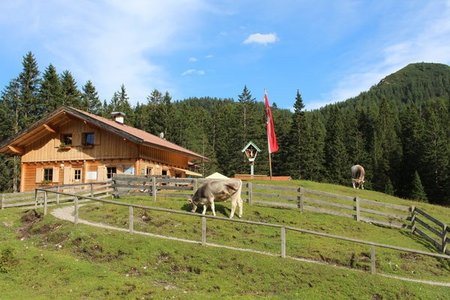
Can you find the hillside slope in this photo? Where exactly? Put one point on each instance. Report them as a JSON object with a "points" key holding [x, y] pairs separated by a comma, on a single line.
{"points": [[416, 83], [398, 130]]}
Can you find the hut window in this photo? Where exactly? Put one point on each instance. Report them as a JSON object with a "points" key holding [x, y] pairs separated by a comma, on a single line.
{"points": [[88, 139], [77, 175], [110, 171], [66, 139], [149, 171], [48, 174]]}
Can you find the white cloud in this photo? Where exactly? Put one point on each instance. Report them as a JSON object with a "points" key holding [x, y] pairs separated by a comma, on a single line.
{"points": [[110, 43], [193, 72], [192, 59], [261, 38]]}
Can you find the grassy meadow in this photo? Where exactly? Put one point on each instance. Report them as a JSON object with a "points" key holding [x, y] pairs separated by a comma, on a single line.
{"points": [[46, 258]]}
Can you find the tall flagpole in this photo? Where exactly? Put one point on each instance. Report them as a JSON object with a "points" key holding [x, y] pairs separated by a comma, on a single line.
{"points": [[268, 142], [270, 159]]}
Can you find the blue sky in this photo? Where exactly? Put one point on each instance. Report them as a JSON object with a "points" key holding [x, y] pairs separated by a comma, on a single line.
{"points": [[328, 50]]}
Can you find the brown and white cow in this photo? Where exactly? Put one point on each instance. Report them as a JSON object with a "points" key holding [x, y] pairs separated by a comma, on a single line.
{"points": [[358, 174], [218, 190]]}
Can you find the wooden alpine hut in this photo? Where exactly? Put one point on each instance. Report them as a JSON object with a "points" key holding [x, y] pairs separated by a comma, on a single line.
{"points": [[73, 146]]}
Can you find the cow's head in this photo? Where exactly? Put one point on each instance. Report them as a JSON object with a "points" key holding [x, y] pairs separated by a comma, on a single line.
{"points": [[194, 205]]}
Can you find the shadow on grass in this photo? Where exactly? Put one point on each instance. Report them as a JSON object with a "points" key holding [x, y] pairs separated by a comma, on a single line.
{"points": [[418, 239], [220, 209]]}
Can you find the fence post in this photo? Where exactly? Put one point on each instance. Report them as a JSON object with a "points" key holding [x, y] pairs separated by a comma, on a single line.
{"points": [[203, 231], [300, 199], [2, 200], [45, 203], [131, 219], [35, 199], [444, 238], [92, 189], [413, 218], [195, 184], [57, 195], [115, 191], [373, 268], [356, 208], [283, 242], [250, 192], [75, 215], [154, 188]]}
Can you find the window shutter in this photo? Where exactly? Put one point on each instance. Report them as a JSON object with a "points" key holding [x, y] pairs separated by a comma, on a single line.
{"points": [[39, 174], [101, 173], [55, 174]]}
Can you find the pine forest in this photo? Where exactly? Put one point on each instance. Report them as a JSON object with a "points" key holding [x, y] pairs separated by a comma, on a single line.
{"points": [[399, 129]]}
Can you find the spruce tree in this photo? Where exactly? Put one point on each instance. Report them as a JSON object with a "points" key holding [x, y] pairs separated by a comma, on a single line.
{"points": [[336, 157], [90, 101], [246, 100], [29, 108], [29, 82], [11, 110], [71, 96], [312, 148], [119, 103], [140, 116], [388, 152], [354, 138], [50, 92], [225, 140], [412, 147], [417, 190], [435, 159], [160, 114], [296, 141]]}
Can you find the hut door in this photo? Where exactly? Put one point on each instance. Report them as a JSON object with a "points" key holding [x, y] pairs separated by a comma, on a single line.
{"points": [[67, 175]]}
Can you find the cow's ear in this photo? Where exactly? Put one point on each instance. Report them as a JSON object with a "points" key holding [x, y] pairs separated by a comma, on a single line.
{"points": [[189, 199]]}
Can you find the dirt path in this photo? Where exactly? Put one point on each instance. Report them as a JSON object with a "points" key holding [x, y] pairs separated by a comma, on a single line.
{"points": [[67, 214]]}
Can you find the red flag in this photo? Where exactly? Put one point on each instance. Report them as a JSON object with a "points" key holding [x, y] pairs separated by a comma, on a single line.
{"points": [[271, 137]]}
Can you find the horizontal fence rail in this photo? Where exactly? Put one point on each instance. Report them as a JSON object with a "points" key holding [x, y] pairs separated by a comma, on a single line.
{"points": [[98, 189], [203, 238], [359, 209], [16, 199], [431, 229]]}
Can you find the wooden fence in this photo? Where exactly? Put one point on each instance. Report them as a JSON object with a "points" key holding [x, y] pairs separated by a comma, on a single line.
{"points": [[359, 209], [203, 238], [431, 229], [97, 189], [423, 224], [16, 199]]}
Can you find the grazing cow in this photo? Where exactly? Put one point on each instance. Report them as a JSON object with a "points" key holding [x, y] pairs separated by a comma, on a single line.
{"points": [[218, 190], [358, 176]]}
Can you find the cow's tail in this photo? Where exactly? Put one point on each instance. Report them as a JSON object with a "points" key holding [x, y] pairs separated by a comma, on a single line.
{"points": [[236, 189]]}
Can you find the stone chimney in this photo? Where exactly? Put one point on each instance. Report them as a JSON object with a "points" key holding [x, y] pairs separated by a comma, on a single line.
{"points": [[118, 116]]}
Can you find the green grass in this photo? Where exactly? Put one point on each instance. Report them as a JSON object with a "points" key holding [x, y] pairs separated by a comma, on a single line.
{"points": [[46, 258], [58, 260], [267, 239]]}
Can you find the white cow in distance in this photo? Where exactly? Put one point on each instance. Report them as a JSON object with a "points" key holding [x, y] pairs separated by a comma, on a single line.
{"points": [[358, 174], [218, 190]]}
